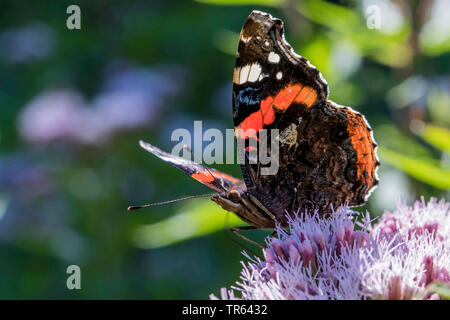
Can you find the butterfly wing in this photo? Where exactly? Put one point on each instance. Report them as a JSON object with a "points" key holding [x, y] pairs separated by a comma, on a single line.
{"points": [[213, 179], [326, 152], [272, 86]]}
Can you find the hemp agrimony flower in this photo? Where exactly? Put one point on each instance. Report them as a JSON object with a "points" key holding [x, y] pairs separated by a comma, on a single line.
{"points": [[397, 258]]}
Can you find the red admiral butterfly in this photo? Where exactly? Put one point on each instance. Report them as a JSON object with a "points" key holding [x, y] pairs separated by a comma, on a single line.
{"points": [[327, 153]]}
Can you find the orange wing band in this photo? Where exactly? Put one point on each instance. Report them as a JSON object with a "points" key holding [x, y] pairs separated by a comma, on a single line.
{"points": [[266, 114]]}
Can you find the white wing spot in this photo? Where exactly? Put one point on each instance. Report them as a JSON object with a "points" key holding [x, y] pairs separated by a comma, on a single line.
{"points": [[251, 72], [244, 74], [255, 70], [273, 57], [279, 75]]}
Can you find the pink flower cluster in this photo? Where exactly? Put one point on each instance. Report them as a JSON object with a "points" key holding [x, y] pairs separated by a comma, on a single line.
{"points": [[400, 257]]}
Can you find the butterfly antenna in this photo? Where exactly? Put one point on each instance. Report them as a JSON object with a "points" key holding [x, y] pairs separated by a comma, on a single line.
{"points": [[167, 202]]}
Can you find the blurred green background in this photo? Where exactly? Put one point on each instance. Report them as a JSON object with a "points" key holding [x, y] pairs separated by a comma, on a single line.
{"points": [[74, 103]]}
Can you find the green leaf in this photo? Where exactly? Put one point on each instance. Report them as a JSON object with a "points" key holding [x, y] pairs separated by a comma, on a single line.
{"points": [[437, 136], [318, 50], [435, 50], [197, 218], [331, 15], [424, 169], [269, 3], [442, 289], [226, 41], [438, 103], [394, 139], [347, 24], [433, 40]]}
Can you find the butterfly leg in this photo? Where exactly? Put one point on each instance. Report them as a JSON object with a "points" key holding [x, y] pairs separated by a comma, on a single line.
{"points": [[236, 230]]}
